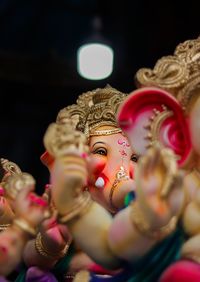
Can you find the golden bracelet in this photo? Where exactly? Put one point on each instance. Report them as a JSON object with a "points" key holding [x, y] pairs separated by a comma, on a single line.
{"points": [[144, 227], [25, 226], [82, 203], [42, 250]]}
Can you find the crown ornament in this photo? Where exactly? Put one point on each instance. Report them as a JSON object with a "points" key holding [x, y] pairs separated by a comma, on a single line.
{"points": [[17, 182], [94, 109], [154, 124], [179, 74], [9, 168]]}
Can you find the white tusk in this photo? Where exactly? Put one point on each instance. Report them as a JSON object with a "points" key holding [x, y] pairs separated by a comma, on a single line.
{"points": [[99, 182]]}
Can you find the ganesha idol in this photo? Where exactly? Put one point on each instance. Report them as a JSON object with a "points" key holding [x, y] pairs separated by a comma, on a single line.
{"points": [[166, 110], [108, 175], [28, 211], [112, 161], [91, 175]]}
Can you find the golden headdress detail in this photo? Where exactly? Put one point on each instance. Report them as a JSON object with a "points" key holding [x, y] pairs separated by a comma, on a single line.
{"points": [[94, 109], [179, 74]]}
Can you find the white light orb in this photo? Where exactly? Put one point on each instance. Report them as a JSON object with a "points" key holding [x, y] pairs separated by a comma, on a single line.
{"points": [[95, 61]]}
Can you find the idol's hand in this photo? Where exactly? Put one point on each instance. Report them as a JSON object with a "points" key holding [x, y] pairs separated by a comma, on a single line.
{"points": [[68, 177], [159, 186], [56, 236], [30, 207]]}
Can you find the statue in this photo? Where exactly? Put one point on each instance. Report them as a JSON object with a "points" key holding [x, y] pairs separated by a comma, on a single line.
{"points": [[124, 236], [166, 110], [111, 166], [28, 211]]}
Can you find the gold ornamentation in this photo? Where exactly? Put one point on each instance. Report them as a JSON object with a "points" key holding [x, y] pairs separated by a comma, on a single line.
{"points": [[155, 123], [169, 73], [42, 250], [82, 276], [80, 206], [144, 227], [179, 74], [4, 226], [69, 276], [120, 176], [16, 182], [93, 109], [60, 138], [9, 168], [106, 132], [25, 226]]}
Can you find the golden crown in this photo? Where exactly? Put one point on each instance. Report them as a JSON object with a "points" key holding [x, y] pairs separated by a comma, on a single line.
{"points": [[94, 109], [16, 182], [179, 74]]}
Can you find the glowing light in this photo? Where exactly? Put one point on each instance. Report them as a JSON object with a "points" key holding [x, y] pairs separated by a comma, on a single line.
{"points": [[95, 61]]}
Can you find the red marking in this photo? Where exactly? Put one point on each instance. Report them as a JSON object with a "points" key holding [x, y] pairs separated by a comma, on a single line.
{"points": [[1, 191], [123, 153], [47, 186], [37, 200], [47, 159], [98, 168], [84, 155], [53, 224], [131, 174], [120, 142], [3, 249]]}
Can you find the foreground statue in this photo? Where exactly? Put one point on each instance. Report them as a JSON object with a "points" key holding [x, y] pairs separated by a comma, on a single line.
{"points": [[169, 114]]}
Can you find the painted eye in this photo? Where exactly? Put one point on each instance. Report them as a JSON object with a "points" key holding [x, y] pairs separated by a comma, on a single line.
{"points": [[134, 158], [100, 151]]}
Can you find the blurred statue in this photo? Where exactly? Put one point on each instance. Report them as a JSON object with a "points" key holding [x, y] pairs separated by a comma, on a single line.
{"points": [[7, 168], [169, 114], [28, 212]]}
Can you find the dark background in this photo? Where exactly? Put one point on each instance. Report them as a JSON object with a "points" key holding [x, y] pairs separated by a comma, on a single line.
{"points": [[38, 43]]}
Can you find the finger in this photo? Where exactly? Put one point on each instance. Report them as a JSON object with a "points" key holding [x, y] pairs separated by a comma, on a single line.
{"points": [[62, 170], [171, 175], [154, 159], [48, 223], [37, 200], [47, 193], [23, 194], [149, 162]]}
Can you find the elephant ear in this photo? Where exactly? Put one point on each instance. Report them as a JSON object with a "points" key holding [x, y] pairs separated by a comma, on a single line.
{"points": [[150, 115], [47, 159]]}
